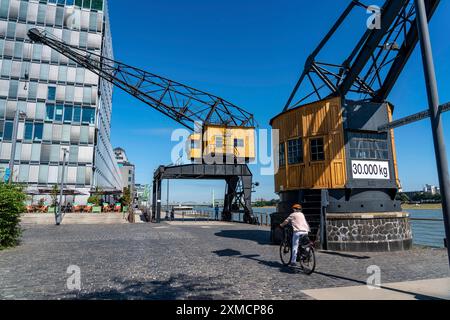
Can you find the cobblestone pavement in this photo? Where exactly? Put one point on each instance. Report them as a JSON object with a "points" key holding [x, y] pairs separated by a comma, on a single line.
{"points": [[185, 261]]}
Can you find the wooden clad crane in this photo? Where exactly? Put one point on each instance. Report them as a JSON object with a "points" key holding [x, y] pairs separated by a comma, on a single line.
{"points": [[337, 150]]}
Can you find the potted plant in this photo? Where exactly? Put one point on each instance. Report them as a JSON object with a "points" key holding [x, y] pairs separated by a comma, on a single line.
{"points": [[95, 201], [126, 199]]}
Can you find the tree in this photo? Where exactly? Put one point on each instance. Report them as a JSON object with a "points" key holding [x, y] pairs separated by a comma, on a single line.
{"points": [[264, 203], [126, 198], [54, 195], [403, 198], [12, 205], [95, 198]]}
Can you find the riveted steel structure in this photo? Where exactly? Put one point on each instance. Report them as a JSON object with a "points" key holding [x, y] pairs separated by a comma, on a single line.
{"points": [[189, 107], [337, 148]]}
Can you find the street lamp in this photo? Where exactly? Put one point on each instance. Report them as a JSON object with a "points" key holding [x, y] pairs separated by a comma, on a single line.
{"points": [[19, 115], [59, 215]]}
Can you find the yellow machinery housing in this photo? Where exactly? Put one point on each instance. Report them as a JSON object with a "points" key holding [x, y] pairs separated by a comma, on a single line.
{"points": [[336, 161], [318, 129], [217, 143]]}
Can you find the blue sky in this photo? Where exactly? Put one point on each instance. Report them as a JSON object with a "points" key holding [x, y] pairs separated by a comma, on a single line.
{"points": [[251, 52]]}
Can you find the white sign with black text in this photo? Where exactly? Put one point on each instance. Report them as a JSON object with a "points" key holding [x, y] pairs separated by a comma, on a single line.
{"points": [[378, 170]]}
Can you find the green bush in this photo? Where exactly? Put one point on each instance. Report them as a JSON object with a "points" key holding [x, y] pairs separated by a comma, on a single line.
{"points": [[12, 205], [95, 200], [126, 198]]}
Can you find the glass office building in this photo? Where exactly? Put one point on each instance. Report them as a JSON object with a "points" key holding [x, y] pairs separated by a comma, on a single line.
{"points": [[66, 106]]}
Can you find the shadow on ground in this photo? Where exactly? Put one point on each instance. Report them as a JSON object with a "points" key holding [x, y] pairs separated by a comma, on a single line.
{"points": [[261, 237], [345, 255], [179, 287], [257, 258]]}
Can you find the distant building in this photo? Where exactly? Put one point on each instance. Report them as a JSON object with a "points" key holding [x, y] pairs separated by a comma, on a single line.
{"points": [[431, 189], [127, 170], [143, 194]]}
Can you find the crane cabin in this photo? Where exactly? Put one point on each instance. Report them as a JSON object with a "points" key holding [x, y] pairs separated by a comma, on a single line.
{"points": [[334, 160], [217, 143], [335, 145]]}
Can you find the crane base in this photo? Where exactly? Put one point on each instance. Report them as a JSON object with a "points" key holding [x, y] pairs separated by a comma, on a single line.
{"points": [[238, 178]]}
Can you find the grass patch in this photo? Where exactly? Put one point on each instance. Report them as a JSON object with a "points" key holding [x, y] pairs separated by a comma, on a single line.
{"points": [[426, 206]]}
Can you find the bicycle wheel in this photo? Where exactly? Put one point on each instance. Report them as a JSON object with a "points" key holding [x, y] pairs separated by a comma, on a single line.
{"points": [[286, 253], [308, 261]]}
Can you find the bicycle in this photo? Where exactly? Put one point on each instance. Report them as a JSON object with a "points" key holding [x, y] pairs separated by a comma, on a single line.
{"points": [[306, 254]]}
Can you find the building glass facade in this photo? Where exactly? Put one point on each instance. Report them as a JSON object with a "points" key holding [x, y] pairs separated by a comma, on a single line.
{"points": [[66, 106]]}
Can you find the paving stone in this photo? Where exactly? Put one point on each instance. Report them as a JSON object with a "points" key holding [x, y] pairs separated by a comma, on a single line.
{"points": [[185, 261]]}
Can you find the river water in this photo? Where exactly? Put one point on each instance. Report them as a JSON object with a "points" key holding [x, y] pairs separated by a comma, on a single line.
{"points": [[428, 233], [425, 232]]}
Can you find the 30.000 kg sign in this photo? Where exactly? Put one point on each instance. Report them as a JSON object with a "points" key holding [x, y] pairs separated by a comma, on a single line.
{"points": [[371, 170]]}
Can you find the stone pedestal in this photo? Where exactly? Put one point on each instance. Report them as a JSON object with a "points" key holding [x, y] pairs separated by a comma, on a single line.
{"points": [[369, 232]]}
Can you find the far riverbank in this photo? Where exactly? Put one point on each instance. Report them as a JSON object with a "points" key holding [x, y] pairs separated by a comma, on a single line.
{"points": [[425, 206]]}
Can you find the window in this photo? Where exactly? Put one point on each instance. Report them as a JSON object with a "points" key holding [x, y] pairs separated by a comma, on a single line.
{"points": [[45, 69], [43, 174], [88, 115], [97, 4], [365, 146], [81, 175], [87, 93], [8, 131], [4, 5], [68, 110], [51, 94], [6, 68], [50, 113], [41, 14], [28, 135], [317, 150], [45, 152], [23, 11], [38, 132], [2, 108], [40, 111], [62, 74], [282, 155], [295, 151], [36, 152], [195, 144], [13, 89], [59, 113], [77, 114], [84, 135], [238, 143], [32, 90], [219, 142], [73, 154]]}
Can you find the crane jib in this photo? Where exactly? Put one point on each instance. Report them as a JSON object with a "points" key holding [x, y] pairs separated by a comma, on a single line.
{"points": [[182, 103]]}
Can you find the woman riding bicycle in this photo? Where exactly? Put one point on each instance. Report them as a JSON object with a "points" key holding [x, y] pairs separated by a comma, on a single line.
{"points": [[301, 229]]}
